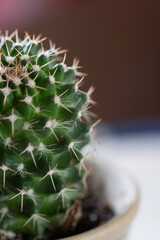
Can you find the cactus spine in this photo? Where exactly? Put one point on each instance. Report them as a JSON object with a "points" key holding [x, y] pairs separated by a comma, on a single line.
{"points": [[43, 127]]}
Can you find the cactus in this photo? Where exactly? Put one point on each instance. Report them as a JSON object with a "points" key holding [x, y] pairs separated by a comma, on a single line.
{"points": [[44, 124]]}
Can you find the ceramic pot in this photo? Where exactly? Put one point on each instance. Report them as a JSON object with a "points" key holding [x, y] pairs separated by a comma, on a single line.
{"points": [[122, 194]]}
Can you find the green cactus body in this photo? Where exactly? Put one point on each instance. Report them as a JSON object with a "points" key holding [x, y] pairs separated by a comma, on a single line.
{"points": [[43, 127]]}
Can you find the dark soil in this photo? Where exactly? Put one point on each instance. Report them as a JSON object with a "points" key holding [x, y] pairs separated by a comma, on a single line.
{"points": [[93, 215]]}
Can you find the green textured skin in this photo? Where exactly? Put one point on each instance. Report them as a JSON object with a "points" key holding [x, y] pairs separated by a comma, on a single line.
{"points": [[56, 146]]}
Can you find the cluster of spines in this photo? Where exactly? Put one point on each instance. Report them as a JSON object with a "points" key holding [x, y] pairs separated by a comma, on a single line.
{"points": [[29, 76]]}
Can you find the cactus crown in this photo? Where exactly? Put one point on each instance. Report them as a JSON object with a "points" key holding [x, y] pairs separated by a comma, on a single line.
{"points": [[43, 127]]}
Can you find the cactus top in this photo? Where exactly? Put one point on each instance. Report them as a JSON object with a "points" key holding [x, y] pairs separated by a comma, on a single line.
{"points": [[44, 124]]}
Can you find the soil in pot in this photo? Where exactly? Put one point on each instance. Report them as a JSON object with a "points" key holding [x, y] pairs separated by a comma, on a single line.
{"points": [[93, 214]]}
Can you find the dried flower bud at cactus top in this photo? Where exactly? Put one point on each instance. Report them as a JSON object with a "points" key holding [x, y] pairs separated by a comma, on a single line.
{"points": [[43, 127]]}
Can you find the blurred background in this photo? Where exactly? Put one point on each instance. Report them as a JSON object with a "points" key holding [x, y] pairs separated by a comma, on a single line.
{"points": [[118, 43]]}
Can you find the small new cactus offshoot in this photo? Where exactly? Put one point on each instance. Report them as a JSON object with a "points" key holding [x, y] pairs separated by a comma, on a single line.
{"points": [[44, 124]]}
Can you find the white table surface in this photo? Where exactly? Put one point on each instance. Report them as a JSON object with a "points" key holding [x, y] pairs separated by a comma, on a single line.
{"points": [[140, 154]]}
